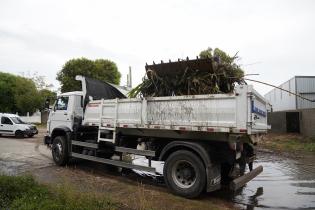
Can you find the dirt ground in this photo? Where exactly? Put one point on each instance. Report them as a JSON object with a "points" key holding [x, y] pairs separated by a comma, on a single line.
{"points": [[132, 191], [285, 173], [29, 155]]}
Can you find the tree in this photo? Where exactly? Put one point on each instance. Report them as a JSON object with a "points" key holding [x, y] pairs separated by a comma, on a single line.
{"points": [[101, 69], [46, 94], [18, 94], [7, 84], [44, 88], [40, 82], [26, 96]]}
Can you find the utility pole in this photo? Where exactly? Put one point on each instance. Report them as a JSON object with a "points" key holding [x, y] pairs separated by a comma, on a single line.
{"points": [[130, 77]]}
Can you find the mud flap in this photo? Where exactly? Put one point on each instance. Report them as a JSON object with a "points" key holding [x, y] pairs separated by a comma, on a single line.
{"points": [[242, 180], [213, 178]]}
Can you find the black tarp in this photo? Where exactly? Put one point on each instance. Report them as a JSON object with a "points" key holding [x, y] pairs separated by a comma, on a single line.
{"points": [[100, 90]]}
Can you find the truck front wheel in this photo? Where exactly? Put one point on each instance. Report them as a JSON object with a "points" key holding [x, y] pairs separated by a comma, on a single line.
{"points": [[185, 174], [60, 151]]}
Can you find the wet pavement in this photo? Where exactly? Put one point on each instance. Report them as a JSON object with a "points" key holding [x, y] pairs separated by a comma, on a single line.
{"points": [[285, 183], [21, 155]]}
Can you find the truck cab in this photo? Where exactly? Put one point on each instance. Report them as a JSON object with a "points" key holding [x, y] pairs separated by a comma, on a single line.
{"points": [[68, 106]]}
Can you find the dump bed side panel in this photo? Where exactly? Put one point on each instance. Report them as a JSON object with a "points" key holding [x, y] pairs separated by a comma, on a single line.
{"points": [[238, 113], [198, 111]]}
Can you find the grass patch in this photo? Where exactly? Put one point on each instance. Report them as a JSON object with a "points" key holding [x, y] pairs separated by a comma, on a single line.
{"points": [[290, 143], [24, 193]]}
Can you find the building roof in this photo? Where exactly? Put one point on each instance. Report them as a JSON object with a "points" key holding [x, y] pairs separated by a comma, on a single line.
{"points": [[295, 77]]}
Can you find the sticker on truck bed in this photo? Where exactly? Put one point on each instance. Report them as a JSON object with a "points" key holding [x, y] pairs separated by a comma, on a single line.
{"points": [[257, 110]]}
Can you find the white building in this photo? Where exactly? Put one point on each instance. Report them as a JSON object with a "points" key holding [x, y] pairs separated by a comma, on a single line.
{"points": [[301, 85]]}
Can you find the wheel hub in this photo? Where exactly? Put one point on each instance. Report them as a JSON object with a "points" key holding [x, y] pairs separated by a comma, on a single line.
{"points": [[57, 149], [183, 174]]}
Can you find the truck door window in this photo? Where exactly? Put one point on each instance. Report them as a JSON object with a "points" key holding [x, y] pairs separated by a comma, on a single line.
{"points": [[62, 103], [6, 120]]}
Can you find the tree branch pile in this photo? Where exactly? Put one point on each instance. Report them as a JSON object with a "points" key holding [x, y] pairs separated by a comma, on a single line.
{"points": [[212, 73]]}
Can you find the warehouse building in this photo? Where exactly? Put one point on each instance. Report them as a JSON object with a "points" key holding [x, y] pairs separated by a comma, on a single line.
{"points": [[291, 113], [301, 85]]}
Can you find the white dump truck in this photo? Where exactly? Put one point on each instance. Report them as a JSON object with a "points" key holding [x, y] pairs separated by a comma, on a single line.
{"points": [[205, 141]]}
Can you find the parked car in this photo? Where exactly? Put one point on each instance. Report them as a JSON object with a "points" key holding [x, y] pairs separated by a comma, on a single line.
{"points": [[11, 124]]}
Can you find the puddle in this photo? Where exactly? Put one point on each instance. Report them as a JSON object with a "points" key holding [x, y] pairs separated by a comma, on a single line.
{"points": [[11, 167], [284, 184], [18, 156]]}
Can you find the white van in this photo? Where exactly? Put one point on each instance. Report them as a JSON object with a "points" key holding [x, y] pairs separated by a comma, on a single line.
{"points": [[11, 124]]}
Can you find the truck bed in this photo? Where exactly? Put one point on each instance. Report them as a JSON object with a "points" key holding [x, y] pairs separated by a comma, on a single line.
{"points": [[243, 111]]}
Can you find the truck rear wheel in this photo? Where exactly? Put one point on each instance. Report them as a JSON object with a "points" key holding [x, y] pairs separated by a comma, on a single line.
{"points": [[185, 174], [60, 151]]}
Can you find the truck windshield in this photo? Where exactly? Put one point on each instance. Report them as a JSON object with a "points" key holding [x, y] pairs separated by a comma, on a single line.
{"points": [[17, 120]]}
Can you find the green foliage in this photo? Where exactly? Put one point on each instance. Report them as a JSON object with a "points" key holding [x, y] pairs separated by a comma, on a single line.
{"points": [[7, 84], [26, 96], [24, 193], [100, 69], [206, 53], [292, 144], [19, 94], [40, 81], [47, 94], [220, 76]]}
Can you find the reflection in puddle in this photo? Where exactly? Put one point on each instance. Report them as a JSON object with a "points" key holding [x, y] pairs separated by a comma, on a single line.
{"points": [[284, 184]]}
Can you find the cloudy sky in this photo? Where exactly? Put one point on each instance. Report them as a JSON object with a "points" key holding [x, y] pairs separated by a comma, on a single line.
{"points": [[275, 39]]}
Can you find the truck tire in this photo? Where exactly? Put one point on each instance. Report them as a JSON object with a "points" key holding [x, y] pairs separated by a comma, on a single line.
{"points": [[60, 151], [185, 174]]}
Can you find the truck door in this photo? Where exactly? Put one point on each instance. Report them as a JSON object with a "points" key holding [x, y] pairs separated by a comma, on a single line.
{"points": [[60, 115], [6, 126]]}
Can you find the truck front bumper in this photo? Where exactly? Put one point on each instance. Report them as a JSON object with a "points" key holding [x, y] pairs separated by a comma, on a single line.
{"points": [[242, 180]]}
